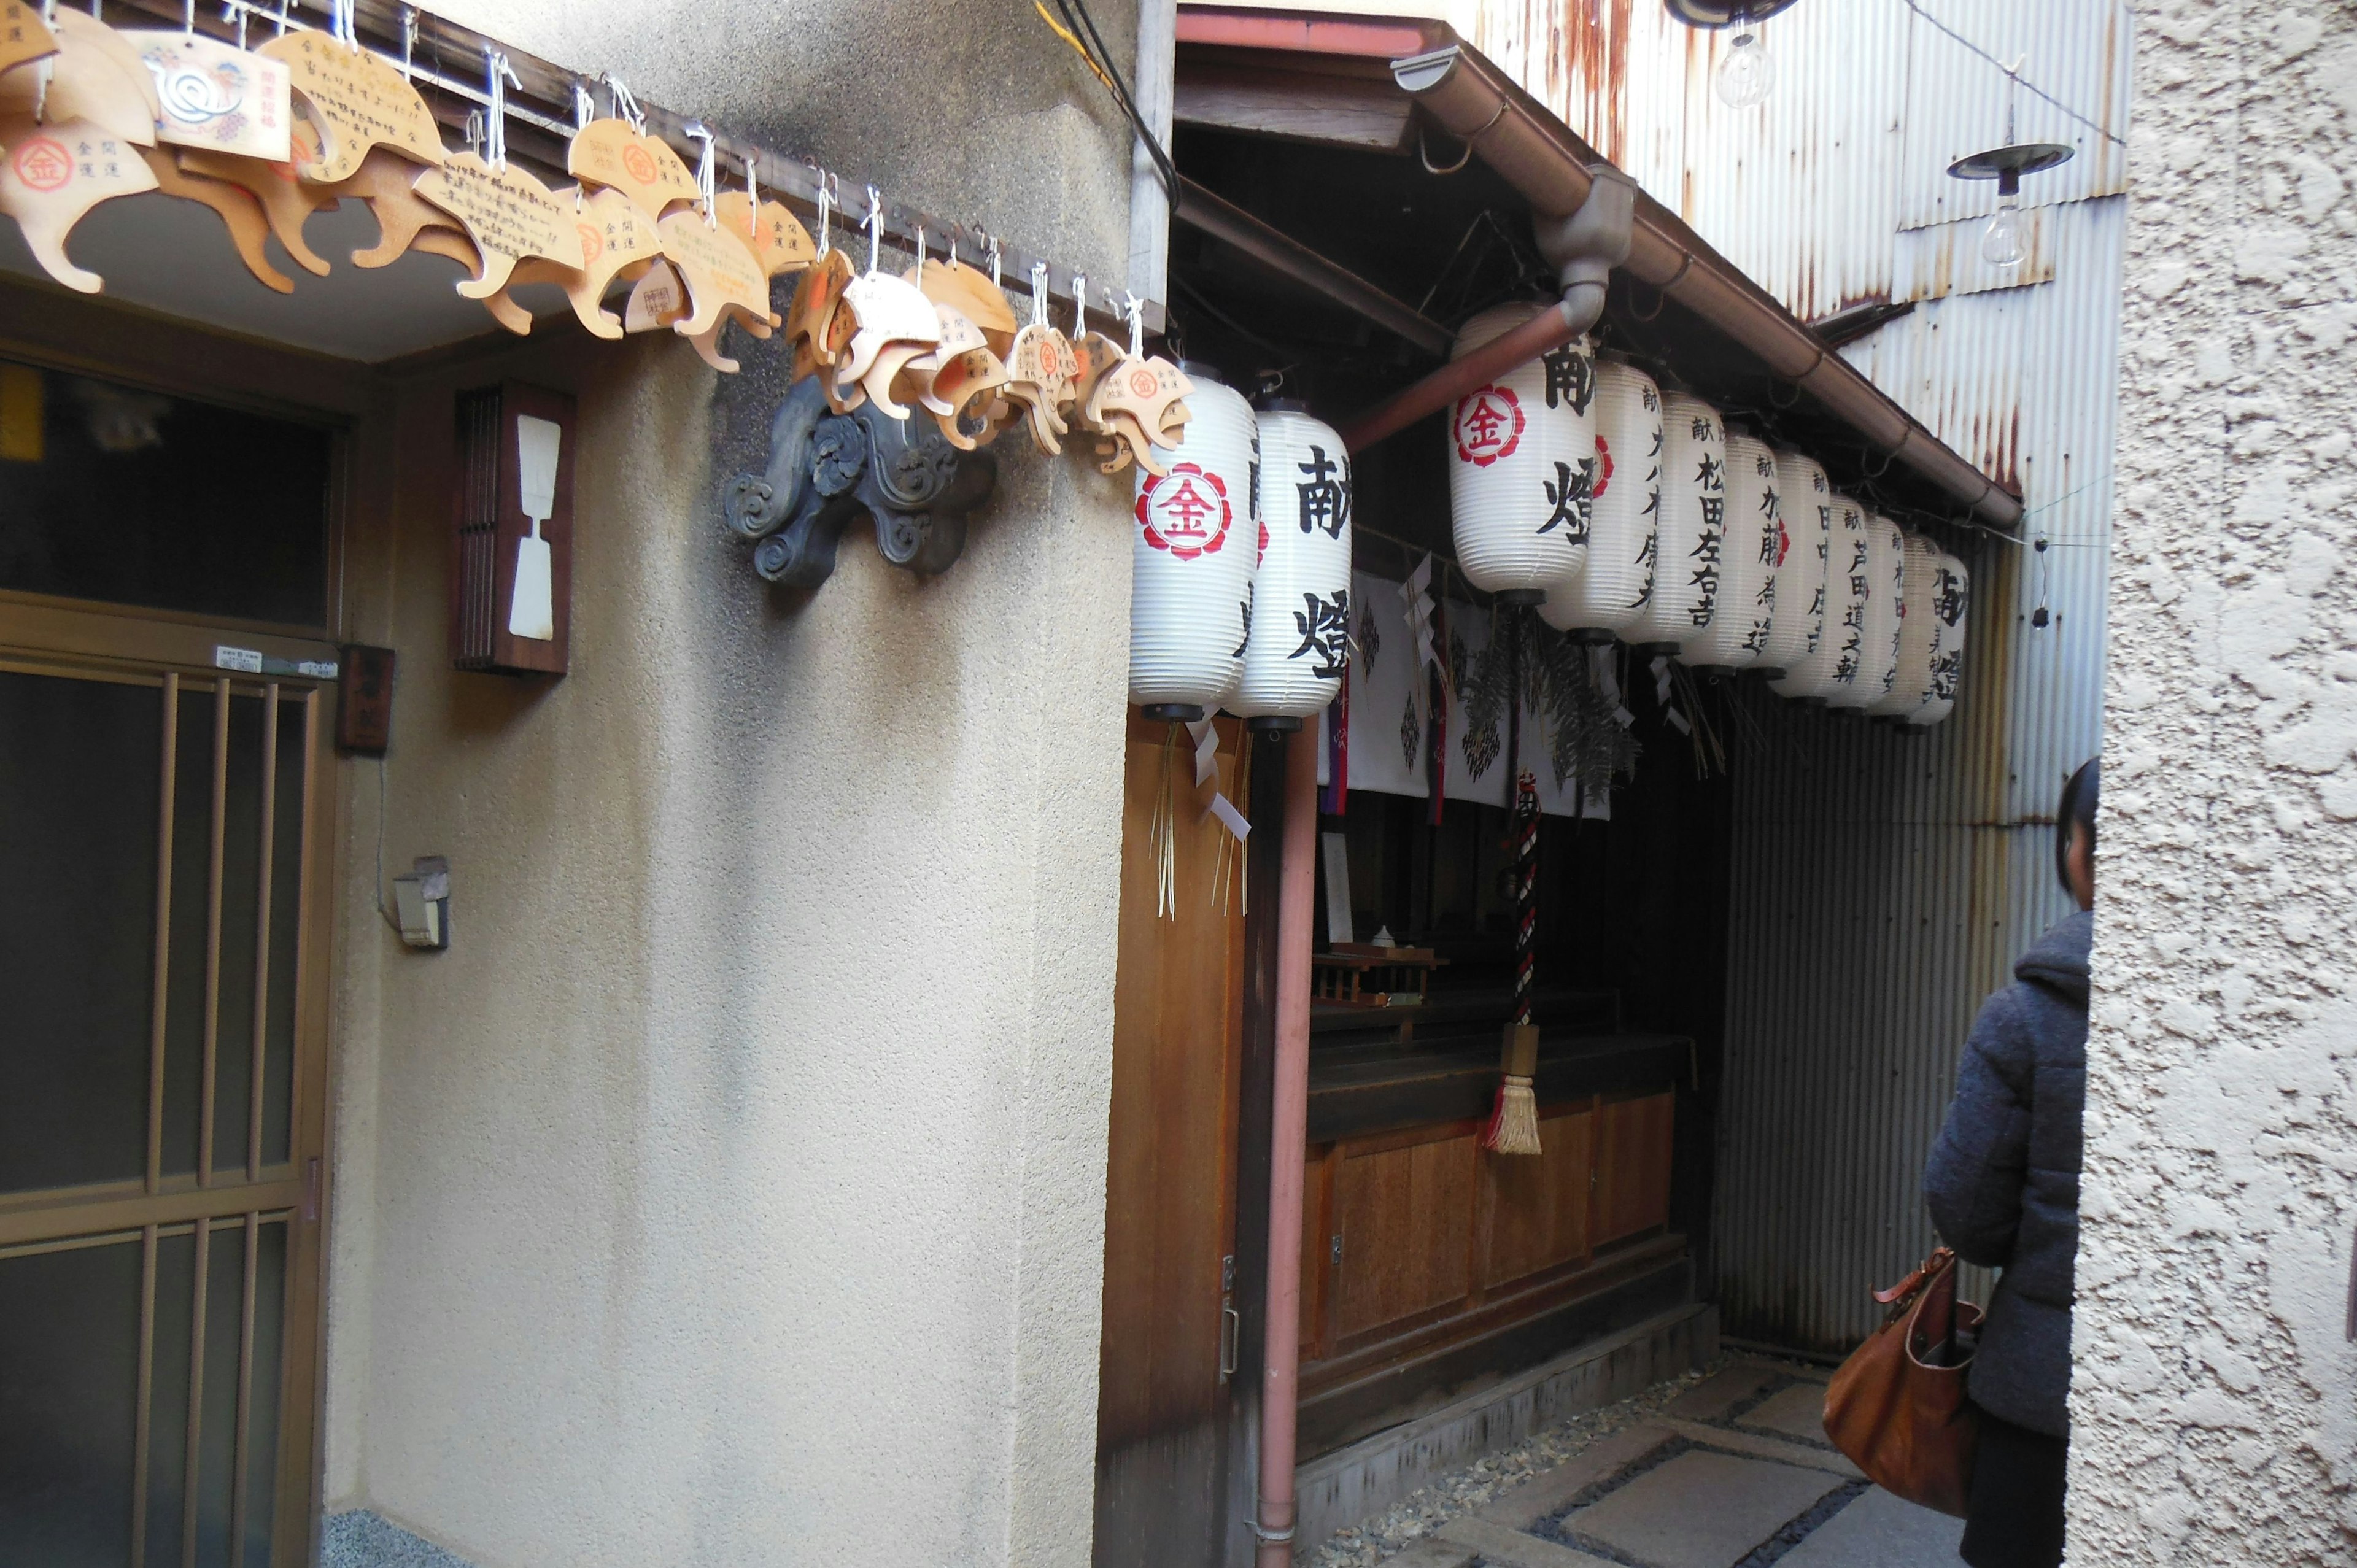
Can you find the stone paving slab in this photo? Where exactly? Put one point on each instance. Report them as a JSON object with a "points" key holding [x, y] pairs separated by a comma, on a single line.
{"points": [[1431, 1553], [1700, 1510], [1760, 1446], [1879, 1531], [1547, 1493], [1807, 1370], [1721, 1392], [1511, 1549], [1798, 1411]]}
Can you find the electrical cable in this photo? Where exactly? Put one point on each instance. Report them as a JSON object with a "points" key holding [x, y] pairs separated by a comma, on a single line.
{"points": [[1099, 60], [2102, 131]]}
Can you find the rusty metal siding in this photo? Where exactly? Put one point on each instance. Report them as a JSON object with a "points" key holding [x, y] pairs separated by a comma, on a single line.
{"points": [[1872, 102], [1883, 883]]}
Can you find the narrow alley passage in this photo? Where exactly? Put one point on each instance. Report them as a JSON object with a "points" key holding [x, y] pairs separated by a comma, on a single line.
{"points": [[1732, 1472]]}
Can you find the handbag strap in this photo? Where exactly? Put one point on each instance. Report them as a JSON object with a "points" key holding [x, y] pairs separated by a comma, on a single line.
{"points": [[1941, 1259]]}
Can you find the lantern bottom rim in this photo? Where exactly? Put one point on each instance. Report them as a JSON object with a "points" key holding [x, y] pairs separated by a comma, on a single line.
{"points": [[1657, 649], [1769, 672], [1173, 712], [1273, 724], [1520, 596]]}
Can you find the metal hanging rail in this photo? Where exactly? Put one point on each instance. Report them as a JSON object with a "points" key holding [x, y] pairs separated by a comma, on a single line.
{"points": [[444, 62]]}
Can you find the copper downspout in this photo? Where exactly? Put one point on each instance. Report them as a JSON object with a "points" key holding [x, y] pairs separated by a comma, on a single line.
{"points": [[1296, 908], [1539, 158], [1549, 329]]}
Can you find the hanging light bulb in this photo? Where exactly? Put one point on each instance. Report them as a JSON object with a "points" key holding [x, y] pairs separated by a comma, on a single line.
{"points": [[1747, 73], [2001, 242]]}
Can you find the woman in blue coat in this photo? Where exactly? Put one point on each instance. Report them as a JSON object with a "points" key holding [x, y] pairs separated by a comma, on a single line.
{"points": [[2003, 1185]]}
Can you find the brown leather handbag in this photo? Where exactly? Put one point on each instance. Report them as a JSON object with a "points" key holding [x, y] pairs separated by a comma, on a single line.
{"points": [[1897, 1408]]}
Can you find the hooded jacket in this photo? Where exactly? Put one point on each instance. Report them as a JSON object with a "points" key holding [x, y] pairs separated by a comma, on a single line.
{"points": [[2003, 1180]]}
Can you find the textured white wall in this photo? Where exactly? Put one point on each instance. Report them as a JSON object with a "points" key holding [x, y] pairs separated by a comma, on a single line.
{"points": [[2216, 1397], [733, 1190]]}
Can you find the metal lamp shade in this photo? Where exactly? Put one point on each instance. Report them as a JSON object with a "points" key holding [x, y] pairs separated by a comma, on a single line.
{"points": [[1848, 554], [1805, 501], [1300, 641], [1952, 598], [1687, 549], [1522, 463], [1191, 558], [1877, 659], [1612, 589], [1918, 635], [1748, 563]]}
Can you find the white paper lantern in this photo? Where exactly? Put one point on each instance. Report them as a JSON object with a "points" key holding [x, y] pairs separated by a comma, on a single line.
{"points": [[1522, 463], [1301, 628], [1848, 553], [1877, 659], [1739, 626], [1611, 591], [1806, 505], [1917, 630], [1192, 557], [1952, 598], [1689, 541]]}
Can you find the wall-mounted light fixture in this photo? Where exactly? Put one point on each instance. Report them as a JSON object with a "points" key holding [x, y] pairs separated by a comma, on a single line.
{"points": [[421, 904]]}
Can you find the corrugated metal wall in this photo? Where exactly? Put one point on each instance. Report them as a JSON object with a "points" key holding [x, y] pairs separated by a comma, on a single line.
{"points": [[1884, 883]]}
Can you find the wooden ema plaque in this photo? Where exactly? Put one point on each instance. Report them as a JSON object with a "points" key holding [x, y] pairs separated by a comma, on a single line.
{"points": [[721, 274], [217, 95], [506, 213], [54, 173], [287, 202], [357, 100], [89, 80], [240, 212], [491, 524], [642, 168], [615, 237], [22, 35], [775, 236]]}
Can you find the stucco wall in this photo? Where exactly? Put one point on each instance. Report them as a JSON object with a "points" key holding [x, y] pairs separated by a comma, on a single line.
{"points": [[732, 1191], [2215, 1398]]}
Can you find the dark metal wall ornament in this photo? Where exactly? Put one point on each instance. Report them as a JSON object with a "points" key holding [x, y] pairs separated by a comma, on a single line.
{"points": [[827, 470]]}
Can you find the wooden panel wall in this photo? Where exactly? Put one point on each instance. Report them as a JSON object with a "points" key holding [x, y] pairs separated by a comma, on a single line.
{"points": [[1169, 1177], [1633, 1166], [1402, 1206], [1535, 1211], [1433, 1229]]}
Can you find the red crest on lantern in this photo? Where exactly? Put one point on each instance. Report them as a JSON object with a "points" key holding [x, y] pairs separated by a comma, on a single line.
{"points": [[1603, 466], [1184, 512], [1489, 426]]}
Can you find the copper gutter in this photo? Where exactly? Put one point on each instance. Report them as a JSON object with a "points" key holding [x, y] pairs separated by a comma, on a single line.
{"points": [[1473, 101], [1297, 906], [1273, 248], [1538, 156]]}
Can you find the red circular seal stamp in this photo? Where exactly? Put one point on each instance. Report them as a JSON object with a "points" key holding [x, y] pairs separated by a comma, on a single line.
{"points": [[1186, 512], [1142, 381], [1603, 467], [1489, 426], [42, 163], [637, 165], [593, 244]]}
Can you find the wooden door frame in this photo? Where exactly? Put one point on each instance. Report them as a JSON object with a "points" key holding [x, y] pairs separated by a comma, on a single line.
{"points": [[61, 331]]}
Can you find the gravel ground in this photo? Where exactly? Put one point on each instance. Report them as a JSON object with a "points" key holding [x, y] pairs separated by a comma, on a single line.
{"points": [[1428, 1507]]}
